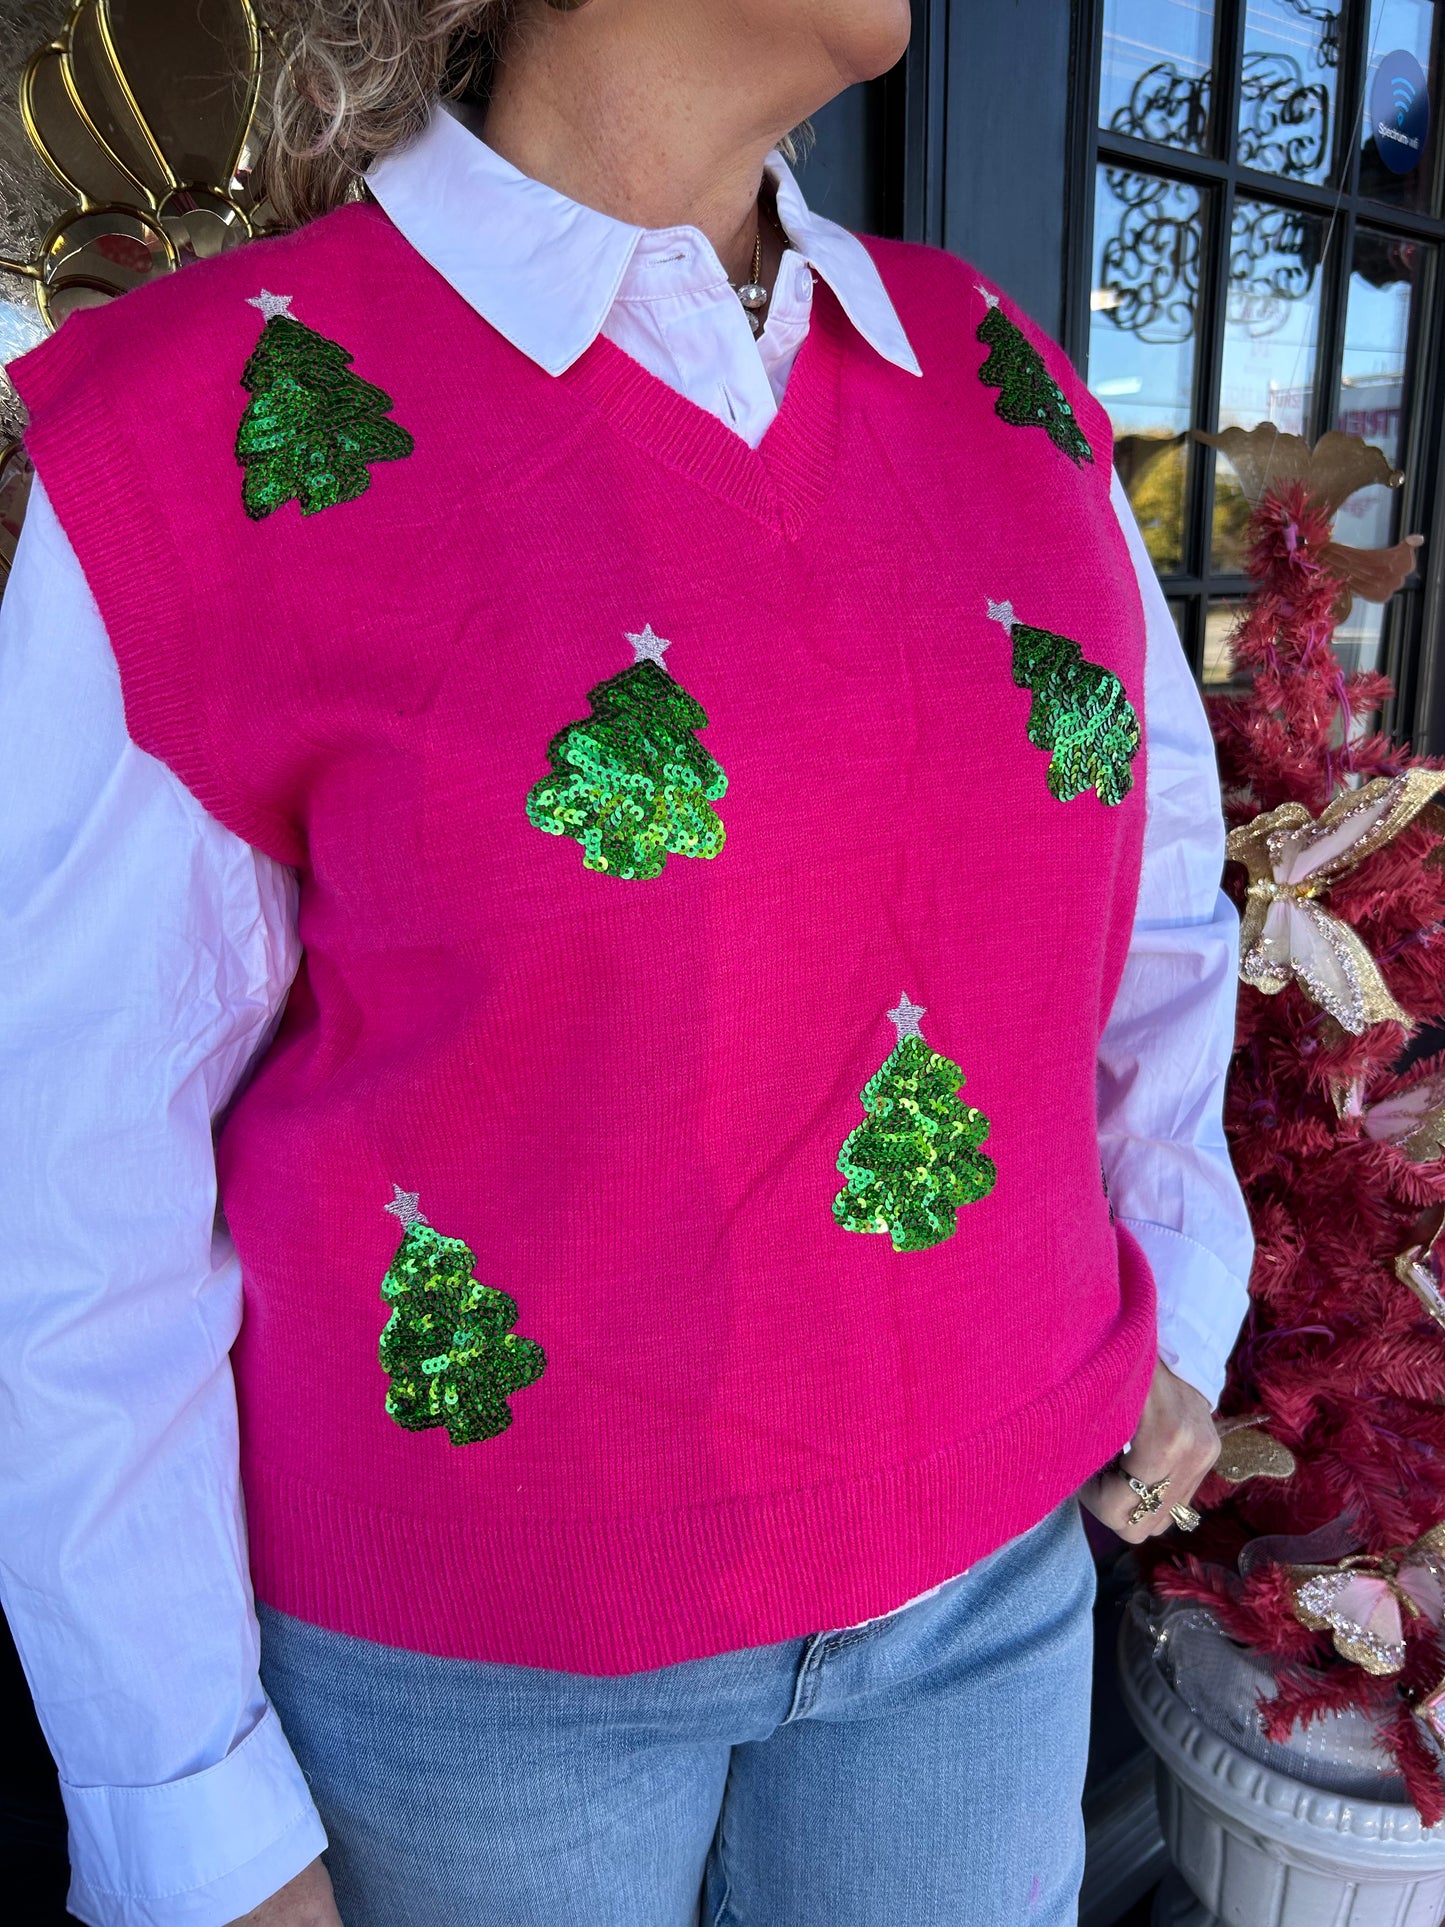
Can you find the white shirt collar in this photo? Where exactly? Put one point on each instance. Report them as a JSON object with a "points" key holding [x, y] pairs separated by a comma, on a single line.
{"points": [[545, 270]]}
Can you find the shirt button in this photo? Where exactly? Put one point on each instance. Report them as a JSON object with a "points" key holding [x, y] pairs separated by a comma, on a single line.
{"points": [[805, 282]]}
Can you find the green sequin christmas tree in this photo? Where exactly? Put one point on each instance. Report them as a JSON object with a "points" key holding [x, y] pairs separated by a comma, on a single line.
{"points": [[1029, 397], [1079, 713], [311, 427], [632, 784], [916, 1158], [448, 1347]]}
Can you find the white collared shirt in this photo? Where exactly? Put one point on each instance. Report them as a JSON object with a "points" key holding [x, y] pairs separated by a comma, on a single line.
{"points": [[148, 952]]}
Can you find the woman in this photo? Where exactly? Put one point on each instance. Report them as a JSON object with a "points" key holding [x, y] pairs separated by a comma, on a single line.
{"points": [[620, 630]]}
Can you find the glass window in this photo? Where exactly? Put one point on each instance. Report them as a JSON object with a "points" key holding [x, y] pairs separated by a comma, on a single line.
{"points": [[1219, 624], [1270, 336], [1383, 284], [1287, 88], [1267, 248], [1143, 328], [1383, 290], [1155, 78], [1358, 638], [1397, 155]]}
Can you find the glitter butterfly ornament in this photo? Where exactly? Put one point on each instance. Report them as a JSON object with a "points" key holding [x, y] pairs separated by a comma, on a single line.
{"points": [[1292, 858], [1411, 1119], [1363, 1601], [1418, 1266], [1247, 1451]]}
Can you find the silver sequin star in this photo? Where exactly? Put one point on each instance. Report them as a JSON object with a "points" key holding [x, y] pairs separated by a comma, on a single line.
{"points": [[404, 1206], [271, 305], [647, 647], [988, 294], [906, 1018], [1002, 612]]}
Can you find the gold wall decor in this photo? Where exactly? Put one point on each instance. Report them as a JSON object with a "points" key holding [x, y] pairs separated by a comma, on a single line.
{"points": [[128, 153]]}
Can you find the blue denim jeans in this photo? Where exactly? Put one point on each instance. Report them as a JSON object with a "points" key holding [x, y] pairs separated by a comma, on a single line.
{"points": [[920, 1770]]}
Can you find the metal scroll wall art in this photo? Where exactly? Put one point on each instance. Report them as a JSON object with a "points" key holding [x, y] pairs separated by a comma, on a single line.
{"points": [[1151, 263], [128, 153], [1284, 123]]}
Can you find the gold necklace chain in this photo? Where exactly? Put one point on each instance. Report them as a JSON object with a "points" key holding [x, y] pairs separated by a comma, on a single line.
{"points": [[752, 294]]}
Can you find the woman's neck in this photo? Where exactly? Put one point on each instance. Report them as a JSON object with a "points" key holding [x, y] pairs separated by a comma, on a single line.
{"points": [[658, 130]]}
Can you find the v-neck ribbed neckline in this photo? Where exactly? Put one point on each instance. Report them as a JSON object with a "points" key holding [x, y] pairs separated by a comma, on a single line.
{"points": [[783, 479]]}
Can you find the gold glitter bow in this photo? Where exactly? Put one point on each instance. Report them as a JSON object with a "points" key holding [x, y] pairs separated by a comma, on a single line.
{"points": [[1360, 1600], [1292, 859]]}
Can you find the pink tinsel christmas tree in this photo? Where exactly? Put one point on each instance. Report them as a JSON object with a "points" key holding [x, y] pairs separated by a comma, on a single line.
{"points": [[1340, 1363]]}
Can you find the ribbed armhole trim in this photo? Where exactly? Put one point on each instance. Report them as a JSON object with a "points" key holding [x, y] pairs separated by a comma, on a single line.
{"points": [[107, 505]]}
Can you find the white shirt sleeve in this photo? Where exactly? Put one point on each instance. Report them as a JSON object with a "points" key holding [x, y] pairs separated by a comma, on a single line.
{"points": [[1170, 1035], [147, 953]]}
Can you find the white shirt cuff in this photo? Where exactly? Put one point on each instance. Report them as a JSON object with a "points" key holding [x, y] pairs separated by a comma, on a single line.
{"points": [[196, 1852], [1201, 1306]]}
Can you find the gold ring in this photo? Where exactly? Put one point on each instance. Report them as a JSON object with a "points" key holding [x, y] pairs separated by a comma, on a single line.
{"points": [[1150, 1498], [1184, 1516]]}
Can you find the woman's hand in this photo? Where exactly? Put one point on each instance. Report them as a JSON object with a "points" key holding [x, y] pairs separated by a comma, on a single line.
{"points": [[303, 1902], [1174, 1439]]}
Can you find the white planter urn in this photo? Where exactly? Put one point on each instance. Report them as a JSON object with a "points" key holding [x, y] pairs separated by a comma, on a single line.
{"points": [[1254, 1846]]}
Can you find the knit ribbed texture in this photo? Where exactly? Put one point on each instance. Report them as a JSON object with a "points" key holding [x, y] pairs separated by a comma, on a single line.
{"points": [[628, 1097]]}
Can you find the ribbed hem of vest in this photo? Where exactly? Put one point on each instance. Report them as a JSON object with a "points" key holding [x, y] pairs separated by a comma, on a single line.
{"points": [[132, 566], [621, 1595]]}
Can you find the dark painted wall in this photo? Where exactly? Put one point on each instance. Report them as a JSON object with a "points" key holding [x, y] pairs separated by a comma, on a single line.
{"points": [[965, 144], [1006, 146], [839, 176]]}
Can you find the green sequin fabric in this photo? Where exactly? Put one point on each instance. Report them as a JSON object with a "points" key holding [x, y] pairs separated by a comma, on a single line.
{"points": [[916, 1158], [632, 784], [1029, 397], [449, 1347], [1079, 713], [311, 427]]}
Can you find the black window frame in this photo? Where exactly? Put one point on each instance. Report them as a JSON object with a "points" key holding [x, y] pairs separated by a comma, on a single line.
{"points": [[1411, 654]]}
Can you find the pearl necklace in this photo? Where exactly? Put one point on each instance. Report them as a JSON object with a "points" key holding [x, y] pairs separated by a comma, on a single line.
{"points": [[752, 294]]}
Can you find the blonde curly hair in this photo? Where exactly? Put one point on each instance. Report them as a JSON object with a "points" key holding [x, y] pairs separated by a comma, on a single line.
{"points": [[356, 78]]}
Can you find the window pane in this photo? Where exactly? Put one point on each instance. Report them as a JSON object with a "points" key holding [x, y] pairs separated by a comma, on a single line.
{"points": [[1147, 242], [1219, 622], [1397, 159], [1287, 95], [1270, 333], [1155, 80], [1359, 636], [1386, 273]]}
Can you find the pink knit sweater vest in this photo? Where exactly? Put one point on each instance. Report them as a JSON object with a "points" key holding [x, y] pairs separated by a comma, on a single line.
{"points": [[708, 1409]]}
